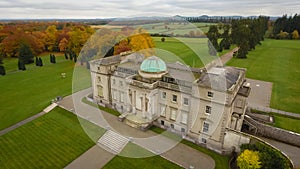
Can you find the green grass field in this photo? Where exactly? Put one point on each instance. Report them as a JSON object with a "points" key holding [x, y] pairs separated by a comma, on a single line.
{"points": [[282, 121], [287, 123], [51, 141], [155, 162], [176, 28], [132, 150], [276, 61], [25, 93], [191, 51], [220, 161]]}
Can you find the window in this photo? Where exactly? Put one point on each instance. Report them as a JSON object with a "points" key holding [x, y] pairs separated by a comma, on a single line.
{"points": [[173, 114], [174, 99], [210, 94], [203, 140], [100, 90], [172, 126], [99, 79], [208, 110], [163, 110], [162, 122], [115, 95], [205, 127], [163, 95], [98, 68], [184, 117], [121, 83], [186, 101], [114, 81], [122, 97], [183, 130]]}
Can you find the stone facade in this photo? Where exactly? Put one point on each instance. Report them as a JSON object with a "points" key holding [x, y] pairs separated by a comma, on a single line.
{"points": [[197, 103]]}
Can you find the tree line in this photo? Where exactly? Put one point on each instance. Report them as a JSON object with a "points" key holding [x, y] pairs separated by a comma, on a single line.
{"points": [[25, 40], [286, 27], [245, 33]]}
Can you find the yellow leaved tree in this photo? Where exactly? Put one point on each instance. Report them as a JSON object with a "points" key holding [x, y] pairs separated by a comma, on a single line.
{"points": [[249, 160], [139, 41]]}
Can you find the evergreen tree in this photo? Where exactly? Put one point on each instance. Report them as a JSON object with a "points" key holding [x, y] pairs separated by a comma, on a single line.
{"points": [[25, 53], [40, 62], [21, 65], [53, 59], [37, 61], [71, 55], [66, 55], [226, 41], [2, 70], [213, 36], [75, 57]]}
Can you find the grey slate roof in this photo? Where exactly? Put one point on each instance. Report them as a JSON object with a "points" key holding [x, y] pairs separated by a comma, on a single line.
{"points": [[220, 78]]}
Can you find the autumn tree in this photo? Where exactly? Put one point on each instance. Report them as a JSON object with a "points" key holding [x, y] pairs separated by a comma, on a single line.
{"points": [[268, 156], [141, 41], [78, 37], [249, 160], [122, 46], [295, 34], [63, 45], [50, 38]]}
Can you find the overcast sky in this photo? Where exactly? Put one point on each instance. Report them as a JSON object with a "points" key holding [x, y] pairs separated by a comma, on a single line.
{"points": [[41, 9]]}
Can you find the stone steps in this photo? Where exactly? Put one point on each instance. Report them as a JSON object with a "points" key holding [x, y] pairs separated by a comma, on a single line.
{"points": [[113, 142]]}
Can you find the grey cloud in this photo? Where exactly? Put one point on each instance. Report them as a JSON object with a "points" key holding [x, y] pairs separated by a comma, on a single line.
{"points": [[120, 8]]}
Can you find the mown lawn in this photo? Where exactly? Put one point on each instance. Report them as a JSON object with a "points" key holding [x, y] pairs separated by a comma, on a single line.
{"points": [[150, 161], [190, 51], [287, 123], [155, 162], [276, 61], [25, 93], [51, 141], [220, 161]]}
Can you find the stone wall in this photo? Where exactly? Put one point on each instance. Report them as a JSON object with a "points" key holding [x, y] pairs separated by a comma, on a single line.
{"points": [[234, 139], [272, 132]]}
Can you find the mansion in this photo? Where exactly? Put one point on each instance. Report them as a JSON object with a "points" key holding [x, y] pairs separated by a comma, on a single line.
{"points": [[207, 106]]}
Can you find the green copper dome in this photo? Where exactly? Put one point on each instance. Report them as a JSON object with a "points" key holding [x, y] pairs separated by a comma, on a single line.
{"points": [[153, 64]]}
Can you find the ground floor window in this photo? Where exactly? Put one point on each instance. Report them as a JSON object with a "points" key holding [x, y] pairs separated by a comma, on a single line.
{"points": [[172, 126], [183, 130], [162, 122], [203, 140], [173, 114], [163, 110], [184, 117], [100, 90]]}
